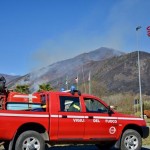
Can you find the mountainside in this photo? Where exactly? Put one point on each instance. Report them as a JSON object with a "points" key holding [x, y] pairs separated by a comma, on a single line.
{"points": [[111, 72], [120, 74], [57, 72], [8, 78]]}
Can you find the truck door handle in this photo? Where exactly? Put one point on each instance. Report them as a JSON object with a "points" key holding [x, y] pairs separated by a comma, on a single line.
{"points": [[90, 117], [63, 116]]}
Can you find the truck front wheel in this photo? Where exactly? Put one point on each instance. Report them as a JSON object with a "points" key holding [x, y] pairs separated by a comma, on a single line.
{"points": [[131, 140], [30, 140]]}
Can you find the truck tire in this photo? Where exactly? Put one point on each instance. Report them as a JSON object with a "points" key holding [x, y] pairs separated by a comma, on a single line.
{"points": [[131, 140], [30, 140]]}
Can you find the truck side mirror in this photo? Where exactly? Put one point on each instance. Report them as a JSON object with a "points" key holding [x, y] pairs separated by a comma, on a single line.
{"points": [[109, 110]]}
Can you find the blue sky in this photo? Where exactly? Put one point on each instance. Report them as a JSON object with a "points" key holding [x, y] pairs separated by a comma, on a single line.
{"points": [[36, 33]]}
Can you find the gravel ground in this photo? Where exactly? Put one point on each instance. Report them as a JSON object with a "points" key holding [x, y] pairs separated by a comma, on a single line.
{"points": [[83, 147], [80, 147]]}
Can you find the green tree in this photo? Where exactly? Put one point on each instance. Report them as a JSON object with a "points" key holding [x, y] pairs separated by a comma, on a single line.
{"points": [[22, 89], [45, 87]]}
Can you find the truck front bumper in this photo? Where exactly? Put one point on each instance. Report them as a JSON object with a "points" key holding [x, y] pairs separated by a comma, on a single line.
{"points": [[145, 131]]}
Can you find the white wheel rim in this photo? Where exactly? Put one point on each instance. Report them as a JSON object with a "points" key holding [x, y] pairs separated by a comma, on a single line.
{"points": [[31, 143], [131, 142]]}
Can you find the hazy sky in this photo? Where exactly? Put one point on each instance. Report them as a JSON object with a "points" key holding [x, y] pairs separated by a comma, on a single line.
{"points": [[36, 33]]}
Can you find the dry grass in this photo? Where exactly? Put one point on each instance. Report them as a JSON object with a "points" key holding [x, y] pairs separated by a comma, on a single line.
{"points": [[124, 102], [147, 140], [148, 122], [2, 148]]}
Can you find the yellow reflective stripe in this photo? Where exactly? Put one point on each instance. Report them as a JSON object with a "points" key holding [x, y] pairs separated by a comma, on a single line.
{"points": [[44, 106], [77, 107]]}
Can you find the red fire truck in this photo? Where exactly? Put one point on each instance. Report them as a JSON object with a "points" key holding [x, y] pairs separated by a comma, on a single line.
{"points": [[28, 122]]}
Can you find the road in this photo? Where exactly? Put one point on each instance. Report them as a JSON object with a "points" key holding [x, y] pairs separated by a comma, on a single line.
{"points": [[80, 147], [83, 147]]}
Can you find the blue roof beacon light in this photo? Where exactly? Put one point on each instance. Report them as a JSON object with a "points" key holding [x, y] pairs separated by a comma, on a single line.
{"points": [[62, 89], [73, 88]]}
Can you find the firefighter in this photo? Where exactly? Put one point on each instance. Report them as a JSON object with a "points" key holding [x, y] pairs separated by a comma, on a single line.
{"points": [[75, 107], [2, 84]]}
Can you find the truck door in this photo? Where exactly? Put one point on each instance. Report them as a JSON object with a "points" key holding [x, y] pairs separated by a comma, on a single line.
{"points": [[71, 119], [99, 125]]}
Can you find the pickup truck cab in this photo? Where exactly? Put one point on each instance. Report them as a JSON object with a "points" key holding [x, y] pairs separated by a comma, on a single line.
{"points": [[70, 117]]}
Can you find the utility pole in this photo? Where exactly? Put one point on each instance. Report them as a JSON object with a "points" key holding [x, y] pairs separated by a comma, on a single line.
{"points": [[89, 79], [67, 82], [77, 81], [139, 71], [83, 80]]}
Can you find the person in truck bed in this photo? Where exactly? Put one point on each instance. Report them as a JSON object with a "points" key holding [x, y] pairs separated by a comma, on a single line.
{"points": [[42, 109]]}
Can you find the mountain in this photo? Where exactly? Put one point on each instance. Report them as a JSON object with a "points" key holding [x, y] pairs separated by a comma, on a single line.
{"points": [[111, 72], [120, 74], [9, 78], [56, 73]]}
